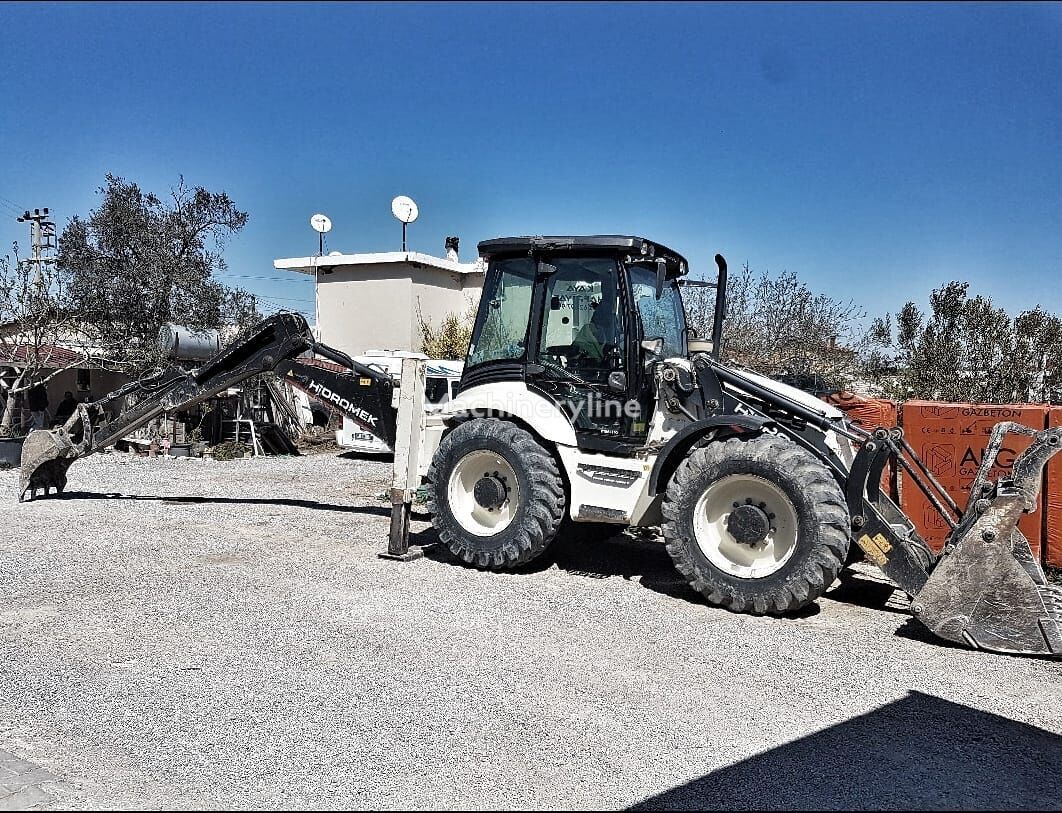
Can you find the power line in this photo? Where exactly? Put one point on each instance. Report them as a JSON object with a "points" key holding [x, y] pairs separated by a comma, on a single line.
{"points": [[10, 204], [13, 210], [274, 279], [281, 298]]}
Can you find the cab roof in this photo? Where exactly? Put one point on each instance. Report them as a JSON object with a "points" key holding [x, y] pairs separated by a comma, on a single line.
{"points": [[608, 243]]}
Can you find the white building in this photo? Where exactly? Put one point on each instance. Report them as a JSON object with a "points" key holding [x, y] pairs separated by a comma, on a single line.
{"points": [[371, 301]]}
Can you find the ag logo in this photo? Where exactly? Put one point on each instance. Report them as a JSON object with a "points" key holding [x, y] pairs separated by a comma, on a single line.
{"points": [[932, 520], [940, 457]]}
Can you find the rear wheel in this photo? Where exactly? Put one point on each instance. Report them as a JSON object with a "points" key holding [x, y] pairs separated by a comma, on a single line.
{"points": [[495, 494], [756, 525]]}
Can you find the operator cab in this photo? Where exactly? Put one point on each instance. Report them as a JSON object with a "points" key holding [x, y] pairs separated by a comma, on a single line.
{"points": [[578, 319]]}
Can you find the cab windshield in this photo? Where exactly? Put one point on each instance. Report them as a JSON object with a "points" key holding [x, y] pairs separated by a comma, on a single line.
{"points": [[662, 318]]}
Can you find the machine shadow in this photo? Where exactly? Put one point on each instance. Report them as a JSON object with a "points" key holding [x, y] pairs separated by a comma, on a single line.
{"points": [[367, 457], [625, 555], [860, 590], [374, 510], [917, 753], [619, 556]]}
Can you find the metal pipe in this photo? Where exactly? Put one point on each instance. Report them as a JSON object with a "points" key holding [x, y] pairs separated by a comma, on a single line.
{"points": [[720, 307]]}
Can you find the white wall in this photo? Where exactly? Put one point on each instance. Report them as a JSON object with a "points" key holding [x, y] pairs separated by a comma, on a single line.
{"points": [[374, 306]]}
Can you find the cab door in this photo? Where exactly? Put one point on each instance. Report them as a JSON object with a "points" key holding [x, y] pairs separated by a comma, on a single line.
{"points": [[582, 349]]}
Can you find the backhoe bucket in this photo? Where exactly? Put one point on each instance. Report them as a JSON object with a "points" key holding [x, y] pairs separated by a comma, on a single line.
{"points": [[987, 591], [45, 458]]}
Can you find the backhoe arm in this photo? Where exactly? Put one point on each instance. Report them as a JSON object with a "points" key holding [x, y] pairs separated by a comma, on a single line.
{"points": [[271, 345]]}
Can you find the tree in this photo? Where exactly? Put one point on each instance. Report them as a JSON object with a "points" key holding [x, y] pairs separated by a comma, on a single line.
{"points": [[778, 326], [450, 339], [966, 349], [138, 262], [35, 318]]}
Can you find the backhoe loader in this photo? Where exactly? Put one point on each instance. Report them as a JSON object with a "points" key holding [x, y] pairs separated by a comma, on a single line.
{"points": [[586, 399]]}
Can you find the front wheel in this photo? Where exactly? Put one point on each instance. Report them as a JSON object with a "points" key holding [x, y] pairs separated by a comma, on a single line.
{"points": [[495, 494], [756, 525]]}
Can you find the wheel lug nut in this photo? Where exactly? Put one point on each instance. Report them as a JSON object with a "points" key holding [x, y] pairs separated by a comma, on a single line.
{"points": [[737, 505], [748, 501], [770, 515]]}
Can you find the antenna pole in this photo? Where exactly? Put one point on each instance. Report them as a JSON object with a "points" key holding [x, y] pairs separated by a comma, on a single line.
{"points": [[320, 244], [403, 235]]}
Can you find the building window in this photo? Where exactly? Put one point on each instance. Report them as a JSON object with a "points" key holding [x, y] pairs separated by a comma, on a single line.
{"points": [[84, 381]]}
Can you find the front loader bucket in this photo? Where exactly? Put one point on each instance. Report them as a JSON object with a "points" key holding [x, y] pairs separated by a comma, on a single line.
{"points": [[991, 594], [986, 590], [45, 458]]}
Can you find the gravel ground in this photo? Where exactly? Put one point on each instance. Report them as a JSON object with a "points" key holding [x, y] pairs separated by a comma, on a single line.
{"points": [[191, 633]]}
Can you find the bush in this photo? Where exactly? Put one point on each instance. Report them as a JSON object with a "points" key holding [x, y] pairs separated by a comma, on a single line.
{"points": [[230, 450], [449, 340]]}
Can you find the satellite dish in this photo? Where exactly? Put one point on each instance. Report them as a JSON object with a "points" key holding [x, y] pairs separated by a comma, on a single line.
{"points": [[404, 209], [321, 223]]}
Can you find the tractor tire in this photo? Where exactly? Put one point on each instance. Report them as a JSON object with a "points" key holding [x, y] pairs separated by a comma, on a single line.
{"points": [[496, 496], [756, 525]]}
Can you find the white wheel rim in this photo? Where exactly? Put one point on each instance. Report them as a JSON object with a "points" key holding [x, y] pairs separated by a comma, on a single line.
{"points": [[469, 514], [746, 561]]}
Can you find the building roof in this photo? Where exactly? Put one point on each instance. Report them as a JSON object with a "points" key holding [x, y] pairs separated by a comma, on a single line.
{"points": [[310, 265], [54, 357]]}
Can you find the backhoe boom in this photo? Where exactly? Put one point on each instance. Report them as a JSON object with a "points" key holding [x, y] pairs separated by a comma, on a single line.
{"points": [[274, 344]]}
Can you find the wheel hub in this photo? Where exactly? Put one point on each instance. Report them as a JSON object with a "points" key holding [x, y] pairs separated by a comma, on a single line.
{"points": [[745, 525], [490, 491], [748, 524]]}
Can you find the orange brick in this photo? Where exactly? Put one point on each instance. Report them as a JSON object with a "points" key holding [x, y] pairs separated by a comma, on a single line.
{"points": [[869, 414], [951, 439], [1053, 500]]}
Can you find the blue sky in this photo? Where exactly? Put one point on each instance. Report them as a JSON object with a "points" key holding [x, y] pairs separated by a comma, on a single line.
{"points": [[877, 151]]}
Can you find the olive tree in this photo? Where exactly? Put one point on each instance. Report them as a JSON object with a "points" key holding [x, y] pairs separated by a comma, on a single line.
{"points": [[778, 326], [139, 261], [36, 322], [966, 349]]}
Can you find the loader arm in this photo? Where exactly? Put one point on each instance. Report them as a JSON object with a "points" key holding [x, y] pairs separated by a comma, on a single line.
{"points": [[274, 344]]}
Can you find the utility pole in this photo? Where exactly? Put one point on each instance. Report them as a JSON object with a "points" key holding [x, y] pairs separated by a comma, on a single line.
{"points": [[42, 242]]}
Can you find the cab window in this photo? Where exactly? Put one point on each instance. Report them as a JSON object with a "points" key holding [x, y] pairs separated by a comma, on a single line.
{"points": [[582, 326], [662, 318], [436, 390], [501, 326]]}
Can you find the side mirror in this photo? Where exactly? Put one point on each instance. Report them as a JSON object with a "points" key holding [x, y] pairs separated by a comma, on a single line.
{"points": [[653, 347], [661, 276], [617, 382]]}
